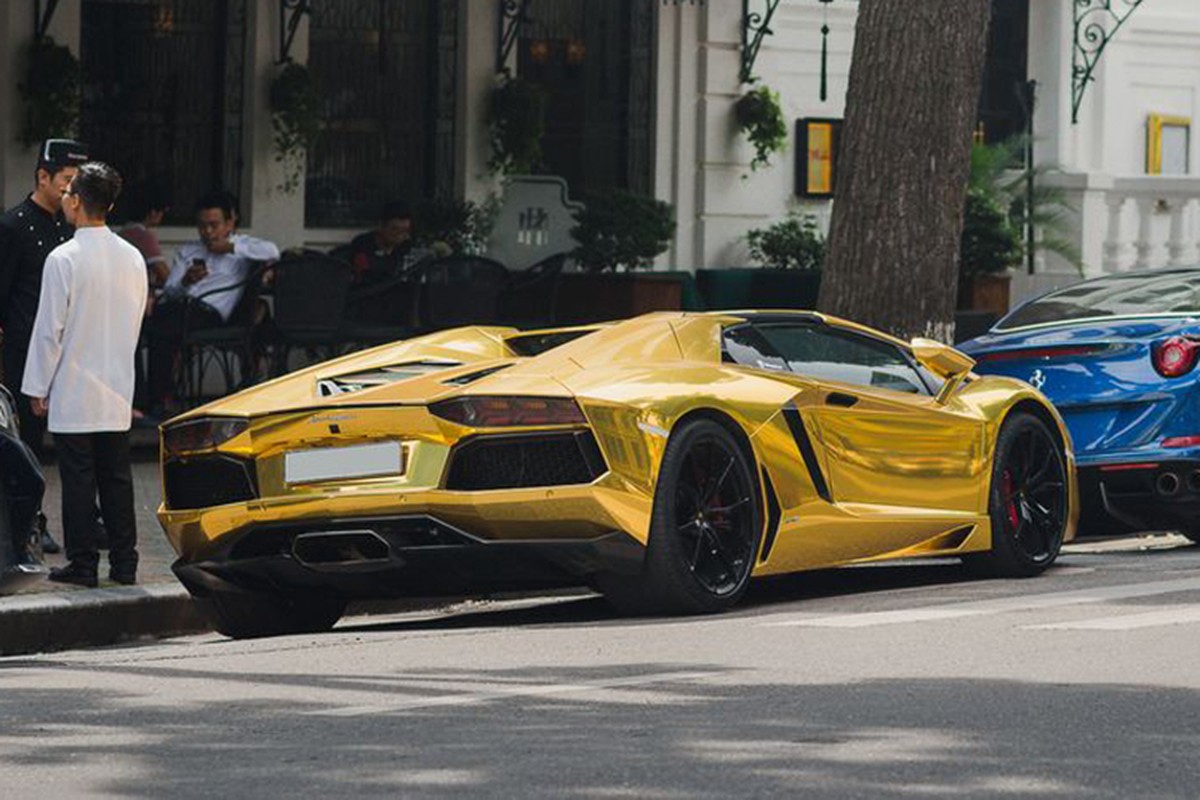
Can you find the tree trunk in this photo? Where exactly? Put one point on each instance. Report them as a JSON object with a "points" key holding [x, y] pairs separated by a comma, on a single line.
{"points": [[911, 108]]}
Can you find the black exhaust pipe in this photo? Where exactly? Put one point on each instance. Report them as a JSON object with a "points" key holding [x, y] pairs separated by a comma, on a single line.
{"points": [[1167, 483], [341, 549]]}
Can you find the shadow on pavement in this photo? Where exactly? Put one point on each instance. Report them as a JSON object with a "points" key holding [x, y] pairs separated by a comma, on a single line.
{"points": [[456, 731]]}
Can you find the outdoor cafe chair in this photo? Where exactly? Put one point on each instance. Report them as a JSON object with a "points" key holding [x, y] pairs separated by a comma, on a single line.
{"points": [[309, 292], [231, 347]]}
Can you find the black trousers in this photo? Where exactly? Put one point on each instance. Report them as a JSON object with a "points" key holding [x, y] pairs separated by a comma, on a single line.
{"points": [[33, 429], [89, 463]]}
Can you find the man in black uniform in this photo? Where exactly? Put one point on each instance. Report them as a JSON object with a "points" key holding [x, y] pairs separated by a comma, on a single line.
{"points": [[28, 232]]}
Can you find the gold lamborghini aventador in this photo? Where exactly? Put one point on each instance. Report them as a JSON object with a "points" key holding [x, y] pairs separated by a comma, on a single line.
{"points": [[665, 461]]}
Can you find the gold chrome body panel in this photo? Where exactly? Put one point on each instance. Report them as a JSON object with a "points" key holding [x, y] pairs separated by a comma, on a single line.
{"points": [[902, 474]]}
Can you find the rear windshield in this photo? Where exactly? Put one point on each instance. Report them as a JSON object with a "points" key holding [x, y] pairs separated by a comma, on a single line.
{"points": [[534, 344], [1135, 294]]}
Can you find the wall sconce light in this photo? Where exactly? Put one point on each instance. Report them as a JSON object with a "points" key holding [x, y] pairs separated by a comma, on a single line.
{"points": [[539, 51], [576, 52]]}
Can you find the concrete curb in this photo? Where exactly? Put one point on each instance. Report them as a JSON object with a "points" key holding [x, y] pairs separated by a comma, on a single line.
{"points": [[46, 622], [37, 623]]}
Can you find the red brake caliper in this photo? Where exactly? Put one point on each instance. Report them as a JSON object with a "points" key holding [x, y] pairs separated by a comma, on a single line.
{"points": [[1010, 502]]}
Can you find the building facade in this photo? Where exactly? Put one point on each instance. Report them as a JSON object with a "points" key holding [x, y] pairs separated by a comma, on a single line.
{"points": [[640, 96]]}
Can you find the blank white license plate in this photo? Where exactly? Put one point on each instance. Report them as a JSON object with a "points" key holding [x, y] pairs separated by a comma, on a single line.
{"points": [[333, 463]]}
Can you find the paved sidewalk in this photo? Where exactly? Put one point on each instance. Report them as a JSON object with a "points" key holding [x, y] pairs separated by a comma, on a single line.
{"points": [[155, 553], [51, 616]]}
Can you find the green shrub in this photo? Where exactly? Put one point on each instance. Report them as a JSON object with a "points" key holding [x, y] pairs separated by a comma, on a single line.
{"points": [[620, 230], [792, 243], [459, 226], [990, 241], [999, 206]]}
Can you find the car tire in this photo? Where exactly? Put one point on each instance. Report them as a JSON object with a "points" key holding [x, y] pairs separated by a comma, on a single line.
{"points": [[251, 615], [1027, 501], [705, 529]]}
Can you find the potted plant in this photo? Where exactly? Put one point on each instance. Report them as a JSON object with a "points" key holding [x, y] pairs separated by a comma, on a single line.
{"points": [[296, 119], [760, 118], [999, 207], [619, 233], [790, 253], [990, 245], [448, 226]]}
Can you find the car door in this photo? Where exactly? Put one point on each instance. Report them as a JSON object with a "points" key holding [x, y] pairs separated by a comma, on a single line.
{"points": [[887, 442]]}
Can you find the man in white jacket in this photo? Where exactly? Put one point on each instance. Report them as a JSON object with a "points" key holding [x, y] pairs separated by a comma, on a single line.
{"points": [[80, 372]]}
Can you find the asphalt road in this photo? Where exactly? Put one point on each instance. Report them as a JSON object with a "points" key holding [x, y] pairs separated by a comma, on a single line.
{"points": [[905, 681]]}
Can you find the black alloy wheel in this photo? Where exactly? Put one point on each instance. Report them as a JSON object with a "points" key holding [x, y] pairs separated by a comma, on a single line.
{"points": [[1028, 501], [705, 530], [713, 516]]}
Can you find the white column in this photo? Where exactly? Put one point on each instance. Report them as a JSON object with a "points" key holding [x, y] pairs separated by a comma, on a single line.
{"points": [[1050, 26], [1117, 250], [476, 70], [677, 162], [1177, 244], [274, 214], [1144, 245]]}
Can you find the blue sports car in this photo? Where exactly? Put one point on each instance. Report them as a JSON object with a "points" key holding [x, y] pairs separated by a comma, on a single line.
{"points": [[1117, 355]]}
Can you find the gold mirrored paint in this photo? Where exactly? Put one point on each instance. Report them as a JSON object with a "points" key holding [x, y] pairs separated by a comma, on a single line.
{"points": [[908, 476]]}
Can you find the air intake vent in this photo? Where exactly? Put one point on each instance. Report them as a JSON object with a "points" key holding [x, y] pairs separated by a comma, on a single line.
{"points": [[525, 461], [357, 381], [208, 481]]}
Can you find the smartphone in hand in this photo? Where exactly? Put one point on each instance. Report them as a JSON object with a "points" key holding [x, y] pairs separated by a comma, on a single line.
{"points": [[197, 271]]}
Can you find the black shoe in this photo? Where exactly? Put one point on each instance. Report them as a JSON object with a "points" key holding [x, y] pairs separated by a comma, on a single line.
{"points": [[125, 577], [75, 573], [48, 543]]}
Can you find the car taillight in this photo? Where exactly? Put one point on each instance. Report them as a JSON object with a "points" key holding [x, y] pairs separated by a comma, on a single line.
{"points": [[490, 412], [1174, 357], [1181, 441], [201, 434]]}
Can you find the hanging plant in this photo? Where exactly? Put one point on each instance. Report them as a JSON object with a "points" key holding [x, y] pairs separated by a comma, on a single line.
{"points": [[296, 118], [760, 118], [516, 124], [51, 89]]}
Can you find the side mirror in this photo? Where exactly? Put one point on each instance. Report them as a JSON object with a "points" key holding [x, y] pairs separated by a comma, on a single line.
{"points": [[944, 361]]}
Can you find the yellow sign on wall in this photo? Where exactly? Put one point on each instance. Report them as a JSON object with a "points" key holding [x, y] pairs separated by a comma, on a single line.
{"points": [[816, 156], [1168, 145]]}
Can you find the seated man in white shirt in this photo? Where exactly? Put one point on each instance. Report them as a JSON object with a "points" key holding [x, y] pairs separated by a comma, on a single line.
{"points": [[203, 287]]}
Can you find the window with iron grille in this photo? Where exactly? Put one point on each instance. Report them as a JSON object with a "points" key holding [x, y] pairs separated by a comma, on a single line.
{"points": [[163, 93], [386, 70], [594, 58]]}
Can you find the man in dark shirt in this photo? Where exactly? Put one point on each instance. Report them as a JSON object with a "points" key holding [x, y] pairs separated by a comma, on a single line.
{"points": [[380, 260], [387, 251], [28, 232]]}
